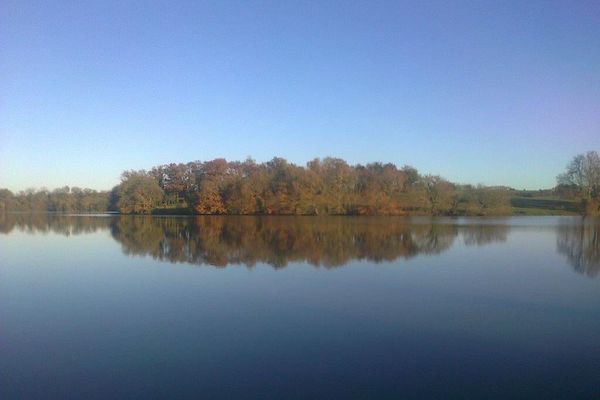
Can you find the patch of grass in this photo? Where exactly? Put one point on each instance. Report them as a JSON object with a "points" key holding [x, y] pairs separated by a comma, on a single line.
{"points": [[550, 205], [538, 211]]}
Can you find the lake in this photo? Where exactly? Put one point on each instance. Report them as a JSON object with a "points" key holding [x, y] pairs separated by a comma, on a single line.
{"points": [[298, 307]]}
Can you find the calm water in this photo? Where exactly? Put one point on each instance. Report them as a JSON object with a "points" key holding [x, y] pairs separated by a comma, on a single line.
{"points": [[230, 307]]}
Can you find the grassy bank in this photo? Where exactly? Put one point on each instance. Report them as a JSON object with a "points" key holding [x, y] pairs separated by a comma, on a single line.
{"points": [[546, 205]]}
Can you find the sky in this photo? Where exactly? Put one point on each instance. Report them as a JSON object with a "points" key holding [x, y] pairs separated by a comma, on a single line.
{"points": [[492, 92]]}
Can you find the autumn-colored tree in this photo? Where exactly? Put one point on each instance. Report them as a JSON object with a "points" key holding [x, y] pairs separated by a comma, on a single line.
{"points": [[328, 186], [178, 181], [208, 199], [211, 177], [138, 193]]}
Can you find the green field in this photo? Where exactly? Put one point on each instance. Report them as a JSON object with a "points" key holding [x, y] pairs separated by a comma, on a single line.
{"points": [[546, 205]]}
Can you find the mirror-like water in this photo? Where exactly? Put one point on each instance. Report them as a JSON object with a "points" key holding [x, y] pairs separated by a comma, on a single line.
{"points": [[298, 307]]}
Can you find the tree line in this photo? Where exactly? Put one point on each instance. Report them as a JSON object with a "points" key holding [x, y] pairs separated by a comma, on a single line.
{"points": [[328, 186], [65, 199]]}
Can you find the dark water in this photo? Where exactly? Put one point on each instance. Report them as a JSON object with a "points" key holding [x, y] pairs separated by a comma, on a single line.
{"points": [[244, 307]]}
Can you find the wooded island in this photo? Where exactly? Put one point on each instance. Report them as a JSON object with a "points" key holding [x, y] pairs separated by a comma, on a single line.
{"points": [[327, 186]]}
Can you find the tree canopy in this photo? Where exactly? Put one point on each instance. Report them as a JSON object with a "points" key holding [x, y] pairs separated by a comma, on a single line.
{"points": [[138, 193], [328, 186], [63, 199]]}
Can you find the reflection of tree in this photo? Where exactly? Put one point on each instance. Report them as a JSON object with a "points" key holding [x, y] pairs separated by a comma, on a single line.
{"points": [[62, 224], [480, 234], [6, 222], [580, 243], [277, 241]]}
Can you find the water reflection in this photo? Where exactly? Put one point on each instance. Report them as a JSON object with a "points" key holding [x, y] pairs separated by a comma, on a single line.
{"points": [[133, 326], [277, 241], [61, 224], [580, 243]]}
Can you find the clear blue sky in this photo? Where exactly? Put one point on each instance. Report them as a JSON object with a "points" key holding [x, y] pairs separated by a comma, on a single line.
{"points": [[492, 92]]}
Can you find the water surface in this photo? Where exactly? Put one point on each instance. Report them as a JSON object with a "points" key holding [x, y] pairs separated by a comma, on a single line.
{"points": [[298, 307]]}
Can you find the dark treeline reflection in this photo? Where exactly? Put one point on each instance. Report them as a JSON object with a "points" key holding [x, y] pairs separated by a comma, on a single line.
{"points": [[62, 224], [320, 241], [277, 241], [580, 243]]}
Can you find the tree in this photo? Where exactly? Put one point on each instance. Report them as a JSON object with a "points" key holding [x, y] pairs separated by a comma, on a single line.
{"points": [[61, 200], [437, 193], [138, 193], [177, 180], [208, 199], [490, 201], [583, 173], [7, 200], [211, 177]]}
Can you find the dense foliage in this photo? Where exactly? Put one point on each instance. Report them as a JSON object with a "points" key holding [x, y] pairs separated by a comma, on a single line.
{"points": [[277, 241], [138, 193], [64, 199], [323, 187]]}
